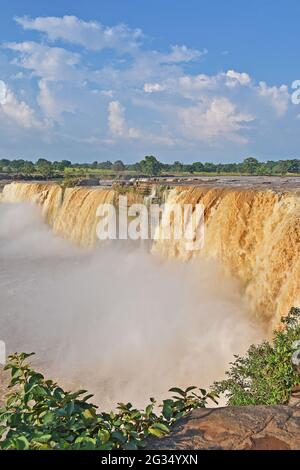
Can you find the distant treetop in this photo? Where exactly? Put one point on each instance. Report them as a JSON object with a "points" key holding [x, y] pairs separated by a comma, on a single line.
{"points": [[151, 166]]}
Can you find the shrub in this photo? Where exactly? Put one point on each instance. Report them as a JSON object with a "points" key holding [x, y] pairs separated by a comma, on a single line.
{"points": [[265, 375], [39, 414]]}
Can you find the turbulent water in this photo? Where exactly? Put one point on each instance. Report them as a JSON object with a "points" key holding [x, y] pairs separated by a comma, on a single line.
{"points": [[255, 234], [127, 323]]}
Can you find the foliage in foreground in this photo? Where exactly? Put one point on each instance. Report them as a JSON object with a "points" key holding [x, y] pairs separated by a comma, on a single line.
{"points": [[40, 415], [265, 375]]}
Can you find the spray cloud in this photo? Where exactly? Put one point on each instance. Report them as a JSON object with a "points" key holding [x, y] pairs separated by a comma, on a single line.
{"points": [[115, 319]]}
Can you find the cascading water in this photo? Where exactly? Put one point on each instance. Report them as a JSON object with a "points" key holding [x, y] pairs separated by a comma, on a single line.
{"points": [[127, 324], [254, 233]]}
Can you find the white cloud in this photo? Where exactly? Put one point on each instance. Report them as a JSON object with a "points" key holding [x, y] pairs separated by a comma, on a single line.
{"points": [[235, 78], [19, 111], [51, 63], [219, 120], [3, 92], [89, 34], [107, 93], [193, 86], [52, 101], [47, 101], [117, 124], [278, 97], [153, 87], [172, 104], [180, 54], [197, 82], [119, 128]]}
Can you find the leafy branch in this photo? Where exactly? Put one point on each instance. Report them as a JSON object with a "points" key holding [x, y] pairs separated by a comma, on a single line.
{"points": [[39, 414]]}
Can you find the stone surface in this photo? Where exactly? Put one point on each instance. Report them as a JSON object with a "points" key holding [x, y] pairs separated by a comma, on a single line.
{"points": [[235, 428]]}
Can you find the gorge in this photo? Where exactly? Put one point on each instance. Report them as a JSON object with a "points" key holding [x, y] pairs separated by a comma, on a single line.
{"points": [[177, 317]]}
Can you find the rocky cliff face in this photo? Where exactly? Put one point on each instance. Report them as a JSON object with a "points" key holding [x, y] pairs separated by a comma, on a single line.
{"points": [[235, 428], [254, 233]]}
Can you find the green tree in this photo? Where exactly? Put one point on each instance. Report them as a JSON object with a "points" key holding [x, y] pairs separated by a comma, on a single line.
{"points": [[150, 166], [44, 167], [105, 165], [198, 167], [250, 165], [60, 166], [265, 375], [94, 165], [294, 166], [118, 166], [177, 167], [28, 168], [17, 165], [209, 167]]}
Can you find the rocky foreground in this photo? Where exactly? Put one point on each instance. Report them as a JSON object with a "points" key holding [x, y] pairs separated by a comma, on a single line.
{"points": [[235, 428]]}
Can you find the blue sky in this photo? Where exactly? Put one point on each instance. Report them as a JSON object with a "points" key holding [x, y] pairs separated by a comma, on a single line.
{"points": [[184, 80]]}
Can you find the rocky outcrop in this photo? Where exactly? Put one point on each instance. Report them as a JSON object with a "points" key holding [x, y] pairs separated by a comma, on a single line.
{"points": [[235, 428]]}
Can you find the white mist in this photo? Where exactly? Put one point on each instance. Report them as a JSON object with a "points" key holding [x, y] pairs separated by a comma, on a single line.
{"points": [[116, 320]]}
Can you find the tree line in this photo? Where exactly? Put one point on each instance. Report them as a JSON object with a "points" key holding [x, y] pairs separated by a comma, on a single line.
{"points": [[151, 166]]}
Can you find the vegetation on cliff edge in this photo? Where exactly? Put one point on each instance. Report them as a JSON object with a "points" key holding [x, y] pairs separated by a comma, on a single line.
{"points": [[265, 375]]}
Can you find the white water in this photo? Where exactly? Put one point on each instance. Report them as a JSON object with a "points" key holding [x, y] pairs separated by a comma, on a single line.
{"points": [[116, 320]]}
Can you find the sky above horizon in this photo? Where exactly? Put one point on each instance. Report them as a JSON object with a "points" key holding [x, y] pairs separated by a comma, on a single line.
{"points": [[119, 79]]}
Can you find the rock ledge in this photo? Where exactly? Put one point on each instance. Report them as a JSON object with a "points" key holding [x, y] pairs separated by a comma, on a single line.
{"points": [[235, 428]]}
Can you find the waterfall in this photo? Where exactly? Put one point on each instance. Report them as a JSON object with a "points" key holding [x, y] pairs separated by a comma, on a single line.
{"points": [[254, 233]]}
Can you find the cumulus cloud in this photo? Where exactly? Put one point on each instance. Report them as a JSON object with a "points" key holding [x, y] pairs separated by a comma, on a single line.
{"points": [[19, 111], [119, 128], [107, 93], [53, 101], [117, 124], [3, 92], [172, 104], [51, 63], [235, 78], [219, 119], [278, 97], [153, 87], [194, 86], [180, 54], [89, 34]]}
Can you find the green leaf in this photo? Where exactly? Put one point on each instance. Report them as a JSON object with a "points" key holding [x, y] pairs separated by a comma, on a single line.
{"points": [[49, 418], [24, 356], [162, 427], [40, 391], [21, 443], [178, 390], [189, 389], [16, 373], [167, 411], [104, 435], [156, 432], [118, 436], [44, 438]]}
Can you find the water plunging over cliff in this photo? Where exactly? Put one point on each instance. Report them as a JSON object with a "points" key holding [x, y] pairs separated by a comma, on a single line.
{"points": [[254, 233]]}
